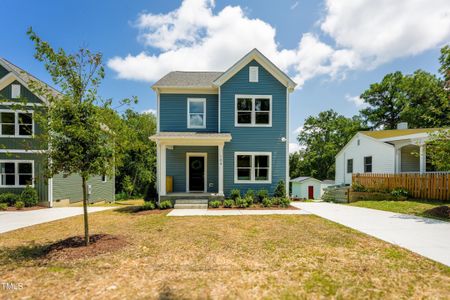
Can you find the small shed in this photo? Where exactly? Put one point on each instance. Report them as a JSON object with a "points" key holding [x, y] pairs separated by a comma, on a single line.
{"points": [[306, 188]]}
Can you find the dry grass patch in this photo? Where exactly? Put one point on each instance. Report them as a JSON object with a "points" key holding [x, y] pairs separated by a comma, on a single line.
{"points": [[220, 257]]}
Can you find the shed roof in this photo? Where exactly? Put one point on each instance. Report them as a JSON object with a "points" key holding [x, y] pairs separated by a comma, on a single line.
{"points": [[303, 178]]}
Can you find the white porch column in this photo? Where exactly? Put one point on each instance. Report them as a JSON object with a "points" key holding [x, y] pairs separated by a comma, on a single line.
{"points": [[423, 161], [162, 171], [220, 169], [398, 160]]}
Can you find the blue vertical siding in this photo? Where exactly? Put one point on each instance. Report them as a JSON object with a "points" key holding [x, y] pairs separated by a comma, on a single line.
{"points": [[266, 139], [176, 166], [173, 112]]}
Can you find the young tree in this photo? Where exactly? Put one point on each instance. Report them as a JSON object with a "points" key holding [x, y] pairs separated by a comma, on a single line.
{"points": [[323, 137], [79, 140]]}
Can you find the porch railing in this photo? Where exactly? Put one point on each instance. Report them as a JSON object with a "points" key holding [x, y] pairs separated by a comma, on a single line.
{"points": [[433, 186]]}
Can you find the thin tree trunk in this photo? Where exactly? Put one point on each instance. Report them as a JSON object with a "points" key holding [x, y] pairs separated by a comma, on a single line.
{"points": [[85, 212]]}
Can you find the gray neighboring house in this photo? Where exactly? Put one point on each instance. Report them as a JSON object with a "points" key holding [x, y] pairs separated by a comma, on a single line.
{"points": [[21, 156]]}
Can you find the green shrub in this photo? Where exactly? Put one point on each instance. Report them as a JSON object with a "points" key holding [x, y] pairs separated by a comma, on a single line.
{"points": [[262, 194], [400, 193], [215, 204], [275, 201], [3, 206], [284, 202], [249, 200], [29, 196], [234, 194], [165, 204], [9, 198], [358, 187], [266, 202], [20, 205], [228, 203], [148, 206], [241, 202], [251, 194], [280, 190]]}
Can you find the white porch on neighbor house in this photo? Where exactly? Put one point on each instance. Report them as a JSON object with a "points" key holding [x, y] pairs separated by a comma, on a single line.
{"points": [[166, 141], [410, 156]]}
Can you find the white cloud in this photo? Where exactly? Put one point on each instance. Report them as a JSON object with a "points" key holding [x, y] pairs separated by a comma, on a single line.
{"points": [[149, 111], [355, 100], [298, 129], [294, 147], [366, 33], [294, 6]]}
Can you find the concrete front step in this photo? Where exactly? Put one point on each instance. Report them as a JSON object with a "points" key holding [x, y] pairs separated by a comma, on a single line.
{"points": [[191, 201], [191, 206]]}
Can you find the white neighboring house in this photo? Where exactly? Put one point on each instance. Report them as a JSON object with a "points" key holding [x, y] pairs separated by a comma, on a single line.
{"points": [[383, 151], [309, 187]]}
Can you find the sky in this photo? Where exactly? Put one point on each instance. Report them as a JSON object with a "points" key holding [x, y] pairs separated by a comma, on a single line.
{"points": [[333, 49]]}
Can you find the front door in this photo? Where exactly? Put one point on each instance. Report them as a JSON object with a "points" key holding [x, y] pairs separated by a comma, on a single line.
{"points": [[196, 174], [310, 192]]}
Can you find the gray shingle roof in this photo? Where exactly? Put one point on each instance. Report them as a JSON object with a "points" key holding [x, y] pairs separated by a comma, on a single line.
{"points": [[188, 79]]}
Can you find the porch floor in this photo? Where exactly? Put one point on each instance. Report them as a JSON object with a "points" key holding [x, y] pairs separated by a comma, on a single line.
{"points": [[192, 195]]}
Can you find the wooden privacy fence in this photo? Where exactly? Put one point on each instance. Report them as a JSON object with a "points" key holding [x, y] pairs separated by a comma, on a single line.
{"points": [[433, 186]]}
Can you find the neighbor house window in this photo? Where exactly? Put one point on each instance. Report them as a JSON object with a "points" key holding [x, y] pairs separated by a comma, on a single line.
{"points": [[368, 164], [196, 113], [253, 167], [253, 111], [104, 178], [253, 74], [349, 165], [16, 173], [15, 91], [14, 123]]}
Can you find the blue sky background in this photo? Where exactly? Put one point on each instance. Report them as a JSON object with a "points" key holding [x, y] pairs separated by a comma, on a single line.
{"points": [[107, 26]]}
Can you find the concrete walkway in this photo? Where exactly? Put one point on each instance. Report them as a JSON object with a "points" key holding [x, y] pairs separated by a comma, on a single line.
{"points": [[12, 220], [233, 212], [427, 237]]}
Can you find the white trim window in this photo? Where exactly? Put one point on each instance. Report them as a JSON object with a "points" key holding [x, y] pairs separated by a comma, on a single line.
{"points": [[16, 173], [15, 91], [16, 123], [253, 111], [196, 113], [253, 167]]}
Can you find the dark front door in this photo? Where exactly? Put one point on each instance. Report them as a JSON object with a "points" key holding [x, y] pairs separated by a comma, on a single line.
{"points": [[196, 174], [310, 192]]}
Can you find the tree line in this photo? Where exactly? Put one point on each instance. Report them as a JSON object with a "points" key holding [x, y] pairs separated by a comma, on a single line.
{"points": [[421, 99]]}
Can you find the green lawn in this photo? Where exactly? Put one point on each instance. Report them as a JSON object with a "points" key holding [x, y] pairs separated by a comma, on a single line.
{"points": [[236, 257], [411, 207]]}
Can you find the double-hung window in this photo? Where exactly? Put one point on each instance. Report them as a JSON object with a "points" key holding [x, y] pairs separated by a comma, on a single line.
{"points": [[16, 124], [368, 164], [253, 167], [16, 173], [350, 165], [196, 117], [253, 111]]}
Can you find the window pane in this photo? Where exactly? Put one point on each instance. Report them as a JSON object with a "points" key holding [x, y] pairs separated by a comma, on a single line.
{"points": [[25, 179], [25, 168], [243, 174], [262, 118], [262, 104], [244, 104], [8, 129], [25, 129], [8, 180], [261, 174], [7, 117], [243, 161], [7, 168], [261, 161], [368, 160], [25, 118], [196, 107], [244, 118], [196, 120]]}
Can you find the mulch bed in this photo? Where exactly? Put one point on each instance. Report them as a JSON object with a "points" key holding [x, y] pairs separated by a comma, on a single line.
{"points": [[74, 248], [12, 208], [439, 212], [290, 207]]}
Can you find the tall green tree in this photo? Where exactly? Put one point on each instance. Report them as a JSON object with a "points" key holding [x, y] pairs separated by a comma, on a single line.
{"points": [[80, 142], [139, 161], [444, 60], [323, 136], [438, 149]]}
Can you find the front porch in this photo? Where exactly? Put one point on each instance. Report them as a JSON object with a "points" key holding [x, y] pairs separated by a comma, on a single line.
{"points": [[410, 157], [190, 165]]}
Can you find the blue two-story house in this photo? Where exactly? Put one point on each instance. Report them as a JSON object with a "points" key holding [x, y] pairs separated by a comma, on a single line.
{"points": [[219, 131]]}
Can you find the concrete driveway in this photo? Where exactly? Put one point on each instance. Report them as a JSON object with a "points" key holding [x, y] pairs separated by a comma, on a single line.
{"points": [[427, 237], [12, 220]]}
